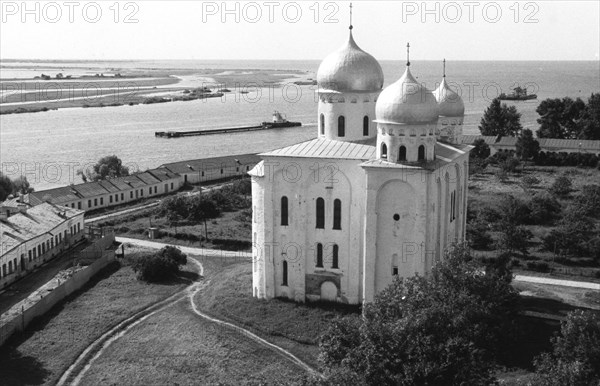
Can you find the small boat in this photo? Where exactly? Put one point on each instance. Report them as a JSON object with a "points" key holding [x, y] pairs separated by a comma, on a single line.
{"points": [[279, 120], [518, 94]]}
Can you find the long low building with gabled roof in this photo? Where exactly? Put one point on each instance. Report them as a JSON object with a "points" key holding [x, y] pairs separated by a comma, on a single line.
{"points": [[32, 236], [106, 193]]}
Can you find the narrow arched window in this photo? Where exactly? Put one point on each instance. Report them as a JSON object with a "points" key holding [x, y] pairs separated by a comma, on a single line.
{"points": [[421, 153], [320, 213], [284, 211], [402, 154], [341, 126], [322, 124], [366, 125], [334, 260], [319, 255], [285, 273], [337, 214], [383, 151]]}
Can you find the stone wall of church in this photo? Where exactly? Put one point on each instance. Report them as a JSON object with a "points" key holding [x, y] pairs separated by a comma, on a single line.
{"points": [[303, 182]]}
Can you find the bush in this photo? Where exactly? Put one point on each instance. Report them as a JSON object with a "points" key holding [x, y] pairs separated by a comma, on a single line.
{"points": [[160, 266], [544, 208], [478, 235], [561, 186], [529, 182], [575, 358], [510, 165], [589, 200], [538, 266], [501, 175]]}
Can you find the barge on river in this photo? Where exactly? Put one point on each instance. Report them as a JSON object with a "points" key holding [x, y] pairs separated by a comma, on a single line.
{"points": [[279, 121]]}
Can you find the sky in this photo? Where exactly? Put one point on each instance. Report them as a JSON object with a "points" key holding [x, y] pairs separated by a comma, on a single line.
{"points": [[298, 30]]}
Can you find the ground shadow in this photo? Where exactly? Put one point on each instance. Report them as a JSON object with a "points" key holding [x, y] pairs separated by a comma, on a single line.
{"points": [[16, 369]]}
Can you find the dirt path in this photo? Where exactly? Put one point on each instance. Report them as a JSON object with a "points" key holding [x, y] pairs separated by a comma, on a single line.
{"points": [[85, 360], [558, 282]]}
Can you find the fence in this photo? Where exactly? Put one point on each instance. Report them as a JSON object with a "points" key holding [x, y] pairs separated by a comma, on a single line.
{"points": [[54, 291]]}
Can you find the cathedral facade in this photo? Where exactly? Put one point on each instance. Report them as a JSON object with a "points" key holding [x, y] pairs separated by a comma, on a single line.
{"points": [[382, 190]]}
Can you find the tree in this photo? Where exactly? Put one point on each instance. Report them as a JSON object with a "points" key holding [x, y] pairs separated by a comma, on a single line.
{"points": [[21, 186], [444, 329], [575, 358], [6, 187], [589, 200], [572, 234], [559, 117], [160, 266], [513, 237], [561, 186], [589, 123], [481, 150], [527, 146], [107, 167], [544, 208], [500, 119]]}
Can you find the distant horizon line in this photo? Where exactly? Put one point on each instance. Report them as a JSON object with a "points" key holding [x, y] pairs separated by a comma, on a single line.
{"points": [[292, 60]]}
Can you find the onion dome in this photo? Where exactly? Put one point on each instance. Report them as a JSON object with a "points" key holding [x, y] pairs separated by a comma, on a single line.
{"points": [[406, 102], [350, 69], [449, 102]]}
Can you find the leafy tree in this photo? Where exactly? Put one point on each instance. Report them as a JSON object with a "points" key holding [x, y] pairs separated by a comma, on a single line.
{"points": [[589, 123], [544, 208], [444, 329], [559, 117], [6, 187], [561, 186], [500, 119], [572, 234], [160, 266], [589, 200], [201, 208], [575, 358], [478, 235], [21, 185], [481, 150], [527, 146], [513, 237], [107, 167]]}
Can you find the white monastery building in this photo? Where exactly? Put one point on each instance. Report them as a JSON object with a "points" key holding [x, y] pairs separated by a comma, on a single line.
{"points": [[381, 192]]}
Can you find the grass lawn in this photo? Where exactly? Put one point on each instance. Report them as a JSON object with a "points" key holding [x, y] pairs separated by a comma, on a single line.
{"points": [[295, 327], [485, 190], [231, 231], [177, 347], [53, 342]]}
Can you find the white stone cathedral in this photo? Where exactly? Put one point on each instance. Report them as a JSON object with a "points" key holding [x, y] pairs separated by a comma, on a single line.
{"points": [[382, 190]]}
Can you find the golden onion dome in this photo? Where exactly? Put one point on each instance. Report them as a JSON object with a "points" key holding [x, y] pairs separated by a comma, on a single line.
{"points": [[350, 69], [406, 102], [449, 102]]}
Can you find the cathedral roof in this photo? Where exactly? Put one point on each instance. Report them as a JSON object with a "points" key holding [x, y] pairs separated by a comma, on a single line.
{"points": [[326, 148], [350, 69], [406, 102], [449, 102]]}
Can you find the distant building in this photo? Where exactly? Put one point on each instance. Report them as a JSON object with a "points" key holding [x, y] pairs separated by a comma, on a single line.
{"points": [[547, 145], [381, 192], [35, 235], [110, 192], [212, 169]]}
